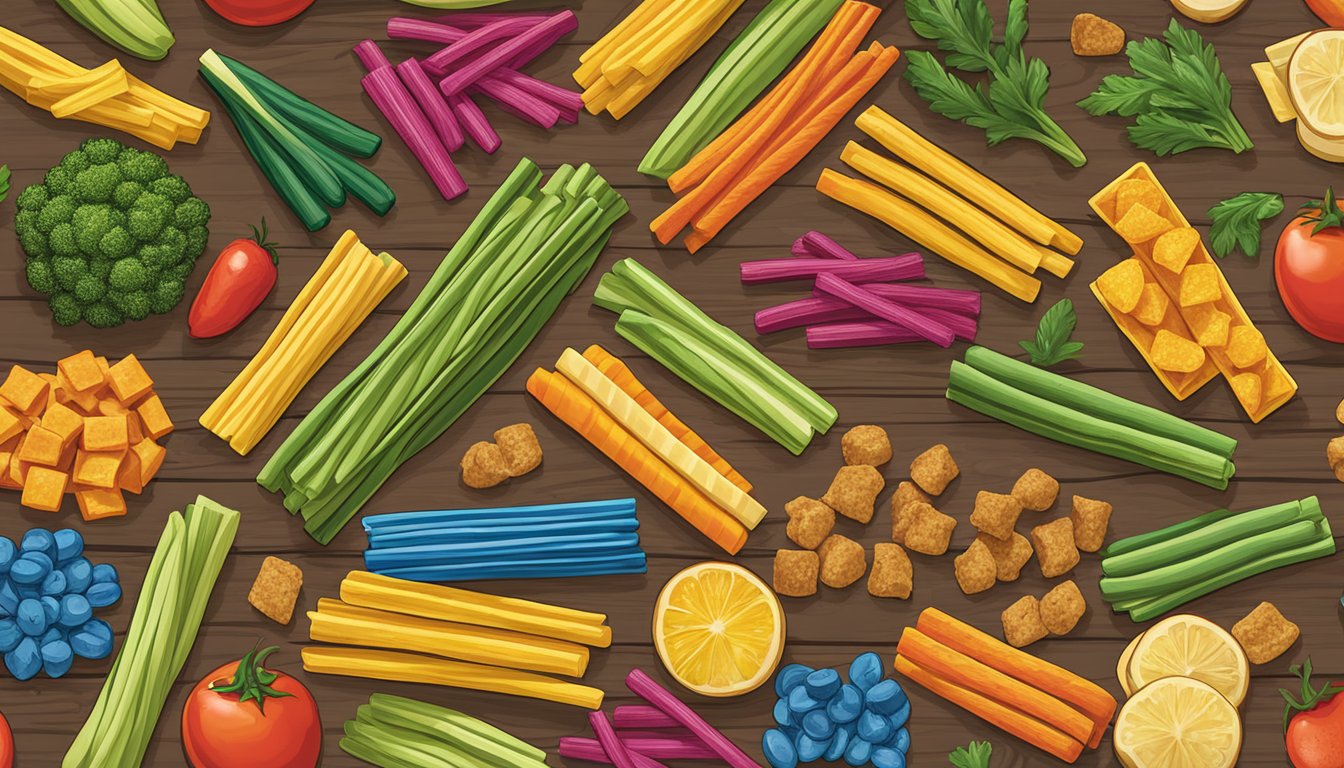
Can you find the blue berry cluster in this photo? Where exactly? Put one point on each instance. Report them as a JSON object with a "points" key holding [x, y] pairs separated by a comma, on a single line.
{"points": [[48, 592], [821, 717]]}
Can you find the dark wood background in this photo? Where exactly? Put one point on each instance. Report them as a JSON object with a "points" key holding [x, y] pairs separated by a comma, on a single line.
{"points": [[898, 388]]}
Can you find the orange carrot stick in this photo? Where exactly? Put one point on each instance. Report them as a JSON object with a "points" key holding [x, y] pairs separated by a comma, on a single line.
{"points": [[1064, 685], [960, 669], [1028, 729], [586, 417], [620, 374]]}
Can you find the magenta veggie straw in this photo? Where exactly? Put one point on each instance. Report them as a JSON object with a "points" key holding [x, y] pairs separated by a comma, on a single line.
{"points": [[562, 98], [959, 300], [521, 105], [434, 106], [820, 246], [824, 309], [908, 266], [869, 333], [641, 716], [886, 309], [644, 686], [473, 41], [649, 749], [522, 44], [474, 123], [403, 28], [475, 20], [611, 743], [589, 749]]}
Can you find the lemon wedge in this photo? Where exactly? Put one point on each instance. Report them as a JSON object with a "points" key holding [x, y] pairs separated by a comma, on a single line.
{"points": [[1208, 11], [718, 629], [1122, 666], [1190, 646], [1316, 82], [1177, 722]]}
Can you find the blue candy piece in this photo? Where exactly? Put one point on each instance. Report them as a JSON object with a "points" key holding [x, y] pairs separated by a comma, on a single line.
{"points": [[75, 611], [800, 702], [10, 635], [28, 570], [858, 752], [91, 643], [817, 725], [31, 618], [24, 662], [9, 599], [866, 670], [103, 593], [873, 727], [886, 757], [846, 704], [99, 628], [54, 584], [57, 658], [901, 716], [104, 573], [7, 554], [810, 749], [51, 635], [78, 575], [51, 607], [901, 740], [783, 717], [839, 740], [789, 678], [39, 540], [69, 544], [822, 684], [886, 697], [778, 749]]}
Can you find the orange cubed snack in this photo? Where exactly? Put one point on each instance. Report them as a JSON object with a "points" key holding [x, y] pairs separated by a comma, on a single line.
{"points": [[1131, 192], [85, 402], [52, 383], [67, 462], [975, 569], [853, 492], [7, 451], [1200, 285], [1141, 224], [130, 477], [105, 433], [18, 470], [151, 456], [1122, 285], [1022, 623], [43, 489], [98, 503], [25, 390], [1173, 249], [155, 417], [1152, 306], [135, 429], [63, 421], [128, 380], [102, 365], [98, 469], [1246, 346], [81, 371], [41, 446], [1249, 391], [843, 561], [1062, 608], [892, 575], [1211, 326], [10, 426], [110, 407], [1173, 353], [934, 469], [796, 572]]}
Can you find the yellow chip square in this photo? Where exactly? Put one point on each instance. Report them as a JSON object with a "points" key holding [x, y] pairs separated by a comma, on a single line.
{"points": [[1173, 249], [1131, 192], [1246, 346], [1122, 285], [1210, 325], [1173, 353], [1152, 306], [1200, 285], [1248, 388], [1140, 224]]}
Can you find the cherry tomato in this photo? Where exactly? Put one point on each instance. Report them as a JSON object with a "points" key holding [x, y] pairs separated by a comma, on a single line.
{"points": [[238, 282], [1309, 270], [1329, 11], [258, 13], [1315, 733], [6, 744]]}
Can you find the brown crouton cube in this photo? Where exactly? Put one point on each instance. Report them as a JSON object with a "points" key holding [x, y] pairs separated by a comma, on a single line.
{"points": [[866, 444], [928, 531], [796, 572], [1036, 490], [843, 561], [1265, 634], [810, 522], [1009, 556], [1055, 549], [934, 469], [1090, 519], [1022, 623], [1062, 608], [892, 574], [520, 448], [484, 466], [1091, 35], [906, 493], [854, 491], [276, 589], [975, 569], [995, 514]]}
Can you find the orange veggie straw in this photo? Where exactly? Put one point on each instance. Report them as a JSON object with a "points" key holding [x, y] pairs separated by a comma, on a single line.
{"points": [[1028, 729], [620, 374], [960, 669], [1064, 685], [789, 148], [572, 406]]}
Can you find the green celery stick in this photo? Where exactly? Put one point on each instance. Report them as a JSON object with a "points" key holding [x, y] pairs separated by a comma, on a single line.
{"points": [[451, 721], [371, 753], [1181, 548], [1123, 546]]}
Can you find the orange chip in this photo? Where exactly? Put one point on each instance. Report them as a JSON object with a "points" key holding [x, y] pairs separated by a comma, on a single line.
{"points": [[1247, 388], [105, 433], [128, 380], [1277, 383], [43, 489], [98, 503], [151, 458], [41, 446], [1246, 346], [1173, 249], [130, 477], [10, 426], [1200, 285], [67, 462], [63, 421], [155, 417], [1210, 325], [18, 470], [1140, 224], [1122, 285], [102, 365], [25, 390], [1143, 192], [85, 402], [7, 451], [1173, 353], [52, 382], [98, 469], [81, 371], [110, 407], [135, 429], [1152, 306]]}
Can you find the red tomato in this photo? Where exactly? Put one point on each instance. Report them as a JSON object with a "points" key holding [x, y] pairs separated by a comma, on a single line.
{"points": [[243, 715], [1309, 269], [238, 282], [1329, 11], [258, 13], [6, 744]]}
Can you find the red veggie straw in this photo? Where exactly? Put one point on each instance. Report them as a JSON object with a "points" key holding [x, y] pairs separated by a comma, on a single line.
{"points": [[396, 104], [371, 56], [471, 44], [561, 98], [522, 44], [473, 121], [470, 20], [822, 247], [886, 309], [959, 300], [641, 716], [589, 749], [518, 103], [611, 744], [824, 309], [908, 266], [403, 28], [868, 333], [413, 76], [644, 686], [657, 749]]}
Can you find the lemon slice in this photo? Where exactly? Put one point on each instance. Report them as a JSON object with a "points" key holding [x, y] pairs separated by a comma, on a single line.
{"points": [[718, 629], [1122, 666], [1209, 11], [1330, 150], [1316, 82], [1177, 722], [1189, 646]]}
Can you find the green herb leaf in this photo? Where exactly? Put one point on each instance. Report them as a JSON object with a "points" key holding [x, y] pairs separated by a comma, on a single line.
{"points": [[4, 182], [973, 755], [1052, 344], [1325, 212], [1236, 222]]}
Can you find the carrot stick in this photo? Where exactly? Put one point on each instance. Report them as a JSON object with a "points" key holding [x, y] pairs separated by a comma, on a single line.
{"points": [[1030, 730], [620, 374], [960, 669], [1057, 681], [584, 416]]}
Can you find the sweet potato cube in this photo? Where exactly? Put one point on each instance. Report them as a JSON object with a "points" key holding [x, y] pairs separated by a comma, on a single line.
{"points": [[1173, 249], [98, 503], [44, 488], [1200, 285], [7, 451], [67, 462], [85, 402], [135, 429], [128, 380], [151, 456], [18, 470], [52, 382], [111, 407], [41, 446], [10, 426], [98, 469], [105, 433], [1141, 224], [25, 390], [1173, 353], [81, 371], [1122, 285], [155, 417], [131, 476], [64, 422], [102, 365]]}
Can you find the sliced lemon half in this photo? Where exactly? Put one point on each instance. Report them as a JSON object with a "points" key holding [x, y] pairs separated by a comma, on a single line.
{"points": [[1316, 82], [1190, 646], [1177, 722], [718, 629], [1122, 666]]}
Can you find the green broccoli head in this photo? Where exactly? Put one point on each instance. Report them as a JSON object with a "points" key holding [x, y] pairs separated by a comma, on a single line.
{"points": [[101, 314], [165, 295], [174, 241], [75, 162], [141, 166], [62, 242], [58, 181], [197, 237], [101, 150], [129, 275], [96, 183], [34, 243], [135, 305], [90, 288], [126, 193], [191, 213], [32, 199], [65, 308], [101, 269], [172, 187], [91, 222], [40, 276], [68, 271], [59, 210], [116, 243]]}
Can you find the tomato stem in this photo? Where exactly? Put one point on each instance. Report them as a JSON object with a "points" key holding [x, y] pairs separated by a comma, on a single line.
{"points": [[259, 237], [1311, 696], [1327, 214], [252, 680]]}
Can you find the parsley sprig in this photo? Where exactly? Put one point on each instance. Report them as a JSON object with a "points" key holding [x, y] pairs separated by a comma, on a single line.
{"points": [[1236, 222], [1012, 105], [1052, 344]]}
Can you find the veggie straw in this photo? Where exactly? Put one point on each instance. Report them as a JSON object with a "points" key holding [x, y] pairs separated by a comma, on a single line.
{"points": [[886, 309], [909, 266], [820, 246], [591, 750], [474, 122], [469, 45], [524, 43], [644, 686], [871, 333], [412, 74], [648, 748], [958, 300], [610, 742], [518, 102], [402, 28], [629, 716]]}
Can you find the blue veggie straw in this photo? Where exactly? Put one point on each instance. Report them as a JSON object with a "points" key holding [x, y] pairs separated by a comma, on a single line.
{"points": [[536, 569], [495, 514], [513, 529], [516, 549]]}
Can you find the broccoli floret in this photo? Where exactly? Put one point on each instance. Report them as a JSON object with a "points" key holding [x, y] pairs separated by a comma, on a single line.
{"points": [[155, 257], [33, 198], [96, 183], [65, 308], [102, 150], [40, 277], [174, 241], [165, 295], [58, 181], [59, 209], [126, 192], [75, 161], [34, 243], [181, 271], [115, 244], [102, 315], [101, 269], [143, 167], [173, 188], [133, 304], [68, 271], [91, 223], [62, 242], [144, 224], [90, 288], [24, 220], [129, 275], [197, 237]]}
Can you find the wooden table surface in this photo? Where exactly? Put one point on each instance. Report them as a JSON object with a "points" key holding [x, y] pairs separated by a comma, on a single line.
{"points": [[898, 388]]}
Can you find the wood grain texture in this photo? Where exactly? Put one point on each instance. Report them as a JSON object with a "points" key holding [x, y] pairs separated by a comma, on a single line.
{"points": [[900, 389]]}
